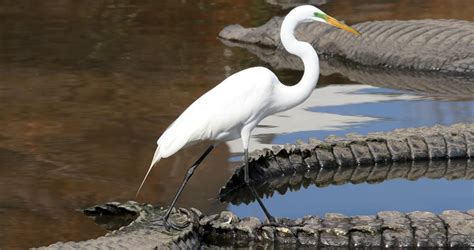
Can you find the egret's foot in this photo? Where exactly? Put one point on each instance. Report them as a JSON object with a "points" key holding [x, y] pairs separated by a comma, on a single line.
{"points": [[169, 225]]}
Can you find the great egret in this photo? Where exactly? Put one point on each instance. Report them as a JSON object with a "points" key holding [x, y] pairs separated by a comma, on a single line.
{"points": [[233, 108]]}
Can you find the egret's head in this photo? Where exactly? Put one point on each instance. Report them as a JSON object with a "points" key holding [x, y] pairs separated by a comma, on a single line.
{"points": [[312, 14]]}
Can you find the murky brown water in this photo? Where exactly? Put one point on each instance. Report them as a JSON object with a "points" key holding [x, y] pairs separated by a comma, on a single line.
{"points": [[87, 87]]}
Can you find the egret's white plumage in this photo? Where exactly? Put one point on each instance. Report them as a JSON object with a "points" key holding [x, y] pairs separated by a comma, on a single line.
{"points": [[233, 108]]}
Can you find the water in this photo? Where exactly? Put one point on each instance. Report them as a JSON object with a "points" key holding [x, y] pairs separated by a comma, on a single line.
{"points": [[400, 195], [87, 87]]}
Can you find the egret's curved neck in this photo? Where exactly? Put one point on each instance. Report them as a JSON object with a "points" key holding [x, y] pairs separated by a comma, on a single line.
{"points": [[290, 96]]}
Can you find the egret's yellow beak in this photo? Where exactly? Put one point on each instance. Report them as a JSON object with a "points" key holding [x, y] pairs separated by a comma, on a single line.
{"points": [[331, 20]]}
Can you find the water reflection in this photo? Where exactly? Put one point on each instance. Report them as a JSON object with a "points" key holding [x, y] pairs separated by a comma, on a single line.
{"points": [[87, 87], [347, 108], [439, 185], [236, 192], [311, 118]]}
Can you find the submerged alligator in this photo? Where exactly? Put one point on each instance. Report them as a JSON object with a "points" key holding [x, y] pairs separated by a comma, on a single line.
{"points": [[431, 84], [335, 161], [423, 45]]}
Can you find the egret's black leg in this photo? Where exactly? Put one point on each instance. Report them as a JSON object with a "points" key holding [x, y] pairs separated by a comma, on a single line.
{"points": [[190, 172], [270, 218]]}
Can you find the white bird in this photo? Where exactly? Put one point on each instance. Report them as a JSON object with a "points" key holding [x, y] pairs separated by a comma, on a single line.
{"points": [[234, 107]]}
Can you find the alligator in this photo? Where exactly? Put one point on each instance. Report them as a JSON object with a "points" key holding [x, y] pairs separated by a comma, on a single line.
{"points": [[431, 84], [133, 225], [421, 45], [451, 228], [332, 160], [355, 158]]}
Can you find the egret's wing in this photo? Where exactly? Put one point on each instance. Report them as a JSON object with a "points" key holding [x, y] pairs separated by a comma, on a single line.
{"points": [[235, 102]]}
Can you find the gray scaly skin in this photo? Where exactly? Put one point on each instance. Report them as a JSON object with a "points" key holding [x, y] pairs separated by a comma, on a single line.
{"points": [[387, 228], [421, 45], [344, 159]]}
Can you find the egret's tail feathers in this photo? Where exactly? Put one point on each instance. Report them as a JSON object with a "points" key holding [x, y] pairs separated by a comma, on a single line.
{"points": [[156, 158]]}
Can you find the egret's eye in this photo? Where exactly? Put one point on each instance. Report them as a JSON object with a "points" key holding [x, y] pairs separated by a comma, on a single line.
{"points": [[331, 20]]}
